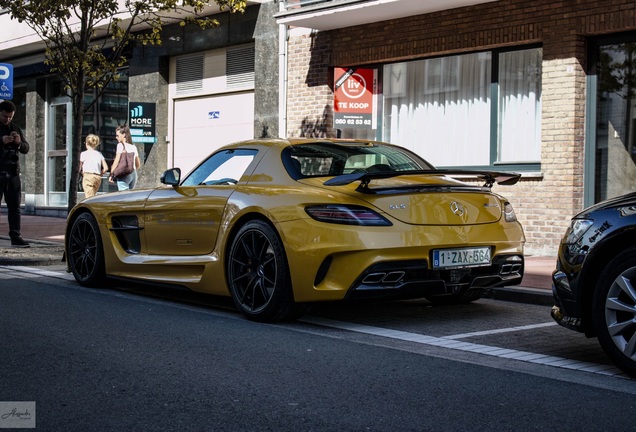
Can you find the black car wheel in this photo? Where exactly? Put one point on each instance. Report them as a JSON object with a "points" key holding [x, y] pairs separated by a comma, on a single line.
{"points": [[615, 310], [85, 251], [258, 276]]}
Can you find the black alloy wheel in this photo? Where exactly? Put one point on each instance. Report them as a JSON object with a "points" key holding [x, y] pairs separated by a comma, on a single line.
{"points": [[85, 251], [258, 276], [614, 307]]}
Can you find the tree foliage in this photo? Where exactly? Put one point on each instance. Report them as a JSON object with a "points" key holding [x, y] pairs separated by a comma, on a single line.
{"points": [[617, 70], [86, 40]]}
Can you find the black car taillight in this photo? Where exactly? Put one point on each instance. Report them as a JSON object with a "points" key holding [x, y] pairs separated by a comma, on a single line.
{"points": [[347, 215]]}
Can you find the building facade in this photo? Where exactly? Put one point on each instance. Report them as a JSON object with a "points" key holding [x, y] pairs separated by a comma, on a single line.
{"points": [[204, 88], [543, 88]]}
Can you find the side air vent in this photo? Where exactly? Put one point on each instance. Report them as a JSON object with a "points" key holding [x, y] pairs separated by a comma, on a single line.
{"points": [[239, 67], [189, 74]]}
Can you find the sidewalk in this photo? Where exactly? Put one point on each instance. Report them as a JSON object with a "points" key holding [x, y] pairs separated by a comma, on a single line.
{"points": [[46, 235]]}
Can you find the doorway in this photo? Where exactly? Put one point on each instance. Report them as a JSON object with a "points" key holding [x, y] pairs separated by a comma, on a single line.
{"points": [[58, 143]]}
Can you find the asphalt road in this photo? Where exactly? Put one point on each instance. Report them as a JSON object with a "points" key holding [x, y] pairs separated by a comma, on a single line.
{"points": [[118, 359]]}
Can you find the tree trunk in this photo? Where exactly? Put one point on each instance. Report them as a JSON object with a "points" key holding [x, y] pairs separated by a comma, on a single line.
{"points": [[76, 147]]}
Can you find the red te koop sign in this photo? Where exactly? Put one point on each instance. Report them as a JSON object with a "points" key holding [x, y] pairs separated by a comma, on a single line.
{"points": [[355, 98]]}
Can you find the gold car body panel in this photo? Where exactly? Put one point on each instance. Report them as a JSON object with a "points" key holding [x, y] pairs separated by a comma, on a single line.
{"points": [[441, 207], [184, 220], [368, 246], [207, 225]]}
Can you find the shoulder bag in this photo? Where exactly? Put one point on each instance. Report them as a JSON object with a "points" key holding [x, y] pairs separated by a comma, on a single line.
{"points": [[126, 164]]}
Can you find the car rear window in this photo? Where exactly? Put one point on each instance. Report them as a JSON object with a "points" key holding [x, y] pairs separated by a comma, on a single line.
{"points": [[329, 159]]}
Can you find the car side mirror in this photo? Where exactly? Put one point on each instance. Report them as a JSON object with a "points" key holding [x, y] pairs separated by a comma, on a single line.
{"points": [[171, 177]]}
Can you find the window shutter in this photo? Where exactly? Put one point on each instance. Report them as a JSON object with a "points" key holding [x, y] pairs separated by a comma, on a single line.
{"points": [[189, 74], [239, 67]]}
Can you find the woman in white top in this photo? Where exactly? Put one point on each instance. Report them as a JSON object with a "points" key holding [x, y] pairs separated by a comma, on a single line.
{"points": [[92, 166], [124, 141]]}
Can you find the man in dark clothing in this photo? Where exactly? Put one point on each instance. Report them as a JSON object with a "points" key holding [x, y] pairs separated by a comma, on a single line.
{"points": [[13, 142]]}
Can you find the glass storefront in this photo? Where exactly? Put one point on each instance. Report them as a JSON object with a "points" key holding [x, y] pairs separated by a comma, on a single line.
{"points": [[470, 110], [614, 147], [478, 109], [58, 149], [110, 111], [102, 116]]}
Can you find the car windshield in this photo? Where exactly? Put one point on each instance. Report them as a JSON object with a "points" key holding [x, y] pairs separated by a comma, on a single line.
{"points": [[328, 159], [223, 167]]}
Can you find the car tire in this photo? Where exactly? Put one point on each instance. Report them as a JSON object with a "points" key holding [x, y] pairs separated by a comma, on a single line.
{"points": [[85, 251], [614, 310], [258, 275]]}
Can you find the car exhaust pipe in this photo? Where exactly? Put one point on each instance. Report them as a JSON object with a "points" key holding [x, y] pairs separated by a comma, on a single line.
{"points": [[382, 277]]}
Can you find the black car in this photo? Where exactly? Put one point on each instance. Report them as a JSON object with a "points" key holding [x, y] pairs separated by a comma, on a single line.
{"points": [[594, 284]]}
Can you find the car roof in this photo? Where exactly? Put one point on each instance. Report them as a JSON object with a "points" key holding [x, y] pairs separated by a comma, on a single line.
{"points": [[285, 142]]}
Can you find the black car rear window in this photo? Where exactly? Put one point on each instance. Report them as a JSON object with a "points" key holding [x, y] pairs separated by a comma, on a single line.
{"points": [[333, 159]]}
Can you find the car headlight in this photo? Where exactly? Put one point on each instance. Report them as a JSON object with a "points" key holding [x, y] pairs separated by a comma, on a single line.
{"points": [[575, 232], [347, 215], [509, 213]]}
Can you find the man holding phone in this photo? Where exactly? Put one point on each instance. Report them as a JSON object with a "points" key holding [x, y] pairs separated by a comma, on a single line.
{"points": [[13, 143]]}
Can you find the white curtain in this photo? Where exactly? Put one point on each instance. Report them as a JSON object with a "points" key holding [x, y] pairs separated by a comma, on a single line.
{"points": [[519, 121], [440, 108]]}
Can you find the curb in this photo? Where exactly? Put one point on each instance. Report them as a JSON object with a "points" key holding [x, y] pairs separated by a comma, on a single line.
{"points": [[41, 253], [536, 296], [32, 262]]}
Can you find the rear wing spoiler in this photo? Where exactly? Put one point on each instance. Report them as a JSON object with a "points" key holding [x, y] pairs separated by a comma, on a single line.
{"points": [[489, 177]]}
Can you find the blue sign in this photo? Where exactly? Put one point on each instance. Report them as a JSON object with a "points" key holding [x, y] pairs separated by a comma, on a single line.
{"points": [[6, 81], [142, 122]]}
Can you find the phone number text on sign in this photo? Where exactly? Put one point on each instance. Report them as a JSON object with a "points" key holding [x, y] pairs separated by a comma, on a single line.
{"points": [[353, 121]]}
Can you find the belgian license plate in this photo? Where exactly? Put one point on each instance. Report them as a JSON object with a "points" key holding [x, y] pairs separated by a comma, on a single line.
{"points": [[463, 257]]}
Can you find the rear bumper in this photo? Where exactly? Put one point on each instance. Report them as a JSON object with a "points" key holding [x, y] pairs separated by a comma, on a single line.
{"points": [[413, 279]]}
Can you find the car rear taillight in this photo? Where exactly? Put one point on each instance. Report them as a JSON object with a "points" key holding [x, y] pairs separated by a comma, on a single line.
{"points": [[509, 213], [347, 215]]}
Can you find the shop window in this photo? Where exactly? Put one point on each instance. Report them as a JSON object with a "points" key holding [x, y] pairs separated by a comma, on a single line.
{"points": [[477, 109], [104, 115], [519, 107], [613, 151]]}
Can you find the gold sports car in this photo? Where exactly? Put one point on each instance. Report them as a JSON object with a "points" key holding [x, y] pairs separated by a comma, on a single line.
{"points": [[278, 224]]}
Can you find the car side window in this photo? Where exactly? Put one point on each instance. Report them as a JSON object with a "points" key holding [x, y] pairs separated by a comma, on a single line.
{"points": [[222, 168]]}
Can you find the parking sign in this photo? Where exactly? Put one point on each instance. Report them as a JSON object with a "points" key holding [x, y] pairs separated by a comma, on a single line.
{"points": [[6, 81]]}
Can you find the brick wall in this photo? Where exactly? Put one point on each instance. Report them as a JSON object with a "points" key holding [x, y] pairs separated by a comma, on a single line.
{"points": [[309, 83], [544, 201]]}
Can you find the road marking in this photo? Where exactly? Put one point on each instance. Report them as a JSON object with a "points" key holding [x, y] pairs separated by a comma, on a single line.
{"points": [[506, 330], [449, 342], [34, 272], [452, 343]]}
